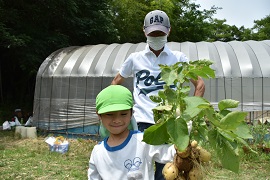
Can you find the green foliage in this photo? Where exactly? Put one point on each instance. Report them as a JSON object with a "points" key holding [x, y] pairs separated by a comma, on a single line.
{"points": [[263, 28], [189, 23], [259, 132], [128, 18], [31, 30], [176, 112]]}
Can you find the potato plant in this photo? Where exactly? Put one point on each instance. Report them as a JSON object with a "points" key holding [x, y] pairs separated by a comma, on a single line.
{"points": [[181, 119]]}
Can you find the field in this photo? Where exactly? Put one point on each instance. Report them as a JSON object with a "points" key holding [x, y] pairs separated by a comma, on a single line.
{"points": [[31, 159]]}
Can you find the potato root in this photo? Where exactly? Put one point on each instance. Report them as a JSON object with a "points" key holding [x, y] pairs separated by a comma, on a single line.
{"points": [[181, 177], [183, 164], [195, 153]]}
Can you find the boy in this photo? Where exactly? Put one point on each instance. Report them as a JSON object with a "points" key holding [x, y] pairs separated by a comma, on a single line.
{"points": [[123, 154]]}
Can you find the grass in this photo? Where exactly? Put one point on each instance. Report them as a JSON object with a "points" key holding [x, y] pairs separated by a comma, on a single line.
{"points": [[31, 159], [252, 166]]}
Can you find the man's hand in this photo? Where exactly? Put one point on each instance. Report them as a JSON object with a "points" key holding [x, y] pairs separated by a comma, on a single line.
{"points": [[199, 86], [118, 79]]}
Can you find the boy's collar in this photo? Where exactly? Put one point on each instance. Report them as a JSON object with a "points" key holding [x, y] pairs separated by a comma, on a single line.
{"points": [[121, 146]]}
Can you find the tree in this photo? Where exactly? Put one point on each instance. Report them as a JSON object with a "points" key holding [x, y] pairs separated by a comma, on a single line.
{"points": [[128, 19], [262, 27], [245, 33], [220, 31], [31, 30], [189, 23]]}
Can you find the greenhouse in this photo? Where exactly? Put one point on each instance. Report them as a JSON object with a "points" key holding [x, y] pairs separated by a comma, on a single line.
{"points": [[69, 79]]}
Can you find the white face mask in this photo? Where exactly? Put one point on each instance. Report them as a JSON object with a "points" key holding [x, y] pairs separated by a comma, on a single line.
{"points": [[156, 43]]}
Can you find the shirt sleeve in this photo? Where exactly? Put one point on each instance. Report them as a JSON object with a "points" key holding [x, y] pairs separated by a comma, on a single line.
{"points": [[162, 153], [181, 57], [92, 170], [127, 67]]}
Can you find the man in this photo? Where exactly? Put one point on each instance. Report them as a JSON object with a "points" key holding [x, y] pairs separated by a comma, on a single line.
{"points": [[144, 66]]}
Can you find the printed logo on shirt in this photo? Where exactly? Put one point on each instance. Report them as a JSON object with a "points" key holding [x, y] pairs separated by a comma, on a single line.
{"points": [[133, 167], [149, 80]]}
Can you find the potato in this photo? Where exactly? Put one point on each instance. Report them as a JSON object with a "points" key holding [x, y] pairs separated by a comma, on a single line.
{"points": [[204, 155], [198, 147], [194, 144], [195, 174], [170, 171]]}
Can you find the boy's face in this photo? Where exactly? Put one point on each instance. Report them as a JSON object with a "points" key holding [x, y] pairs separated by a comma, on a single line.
{"points": [[116, 122]]}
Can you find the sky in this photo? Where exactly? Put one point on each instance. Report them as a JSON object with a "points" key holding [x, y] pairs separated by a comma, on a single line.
{"points": [[238, 12]]}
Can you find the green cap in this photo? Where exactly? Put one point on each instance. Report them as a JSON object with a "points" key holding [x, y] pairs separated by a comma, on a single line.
{"points": [[114, 98]]}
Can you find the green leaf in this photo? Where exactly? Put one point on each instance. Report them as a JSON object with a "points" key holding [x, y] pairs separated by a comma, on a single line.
{"points": [[161, 95], [195, 101], [202, 62], [209, 72], [232, 120], [242, 141], [199, 133], [213, 137], [192, 75], [224, 112], [229, 135], [202, 68], [155, 99], [227, 103], [171, 95], [158, 115], [212, 117], [243, 131], [178, 131], [156, 134], [204, 72], [168, 75], [163, 108], [227, 151], [193, 105], [229, 157], [204, 106], [181, 78], [185, 89]]}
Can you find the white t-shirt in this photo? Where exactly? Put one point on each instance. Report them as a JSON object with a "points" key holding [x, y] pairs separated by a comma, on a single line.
{"points": [[133, 159], [144, 66]]}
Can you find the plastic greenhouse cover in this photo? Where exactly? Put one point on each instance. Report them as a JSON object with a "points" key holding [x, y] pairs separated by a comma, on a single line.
{"points": [[70, 78]]}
